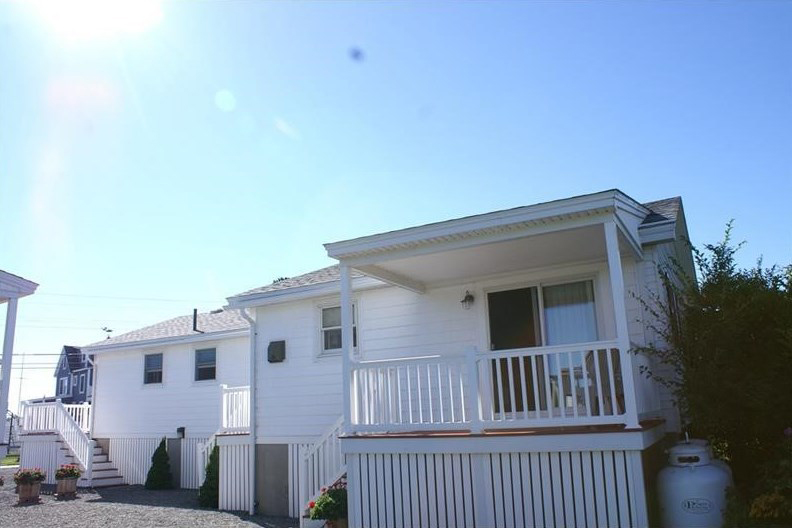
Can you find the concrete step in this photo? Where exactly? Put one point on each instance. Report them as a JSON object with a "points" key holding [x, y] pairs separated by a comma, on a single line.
{"points": [[96, 458], [105, 473], [102, 482], [97, 466]]}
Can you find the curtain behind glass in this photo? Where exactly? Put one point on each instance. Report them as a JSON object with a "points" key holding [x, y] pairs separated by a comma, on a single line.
{"points": [[569, 313]]}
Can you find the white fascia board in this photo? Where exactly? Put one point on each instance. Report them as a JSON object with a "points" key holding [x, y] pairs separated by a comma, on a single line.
{"points": [[653, 233], [164, 341], [14, 287], [569, 206], [452, 243], [301, 292], [635, 245], [504, 443]]}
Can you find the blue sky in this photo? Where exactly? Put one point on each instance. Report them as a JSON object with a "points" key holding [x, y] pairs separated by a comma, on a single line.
{"points": [[147, 173]]}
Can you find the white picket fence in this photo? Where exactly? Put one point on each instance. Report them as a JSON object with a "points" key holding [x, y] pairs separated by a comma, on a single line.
{"points": [[543, 386], [202, 453]]}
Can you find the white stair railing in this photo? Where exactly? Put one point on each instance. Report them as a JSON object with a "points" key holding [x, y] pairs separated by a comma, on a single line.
{"points": [[56, 417], [322, 464], [81, 412]]}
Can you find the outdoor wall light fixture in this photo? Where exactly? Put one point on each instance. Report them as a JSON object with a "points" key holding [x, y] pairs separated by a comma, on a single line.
{"points": [[467, 300]]}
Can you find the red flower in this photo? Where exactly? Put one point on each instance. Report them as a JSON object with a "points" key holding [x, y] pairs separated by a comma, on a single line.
{"points": [[311, 504]]}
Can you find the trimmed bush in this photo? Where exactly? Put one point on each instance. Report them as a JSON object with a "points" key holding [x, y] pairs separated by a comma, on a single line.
{"points": [[209, 494], [159, 476]]}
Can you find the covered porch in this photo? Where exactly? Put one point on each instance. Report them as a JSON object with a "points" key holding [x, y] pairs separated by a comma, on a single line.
{"points": [[554, 351]]}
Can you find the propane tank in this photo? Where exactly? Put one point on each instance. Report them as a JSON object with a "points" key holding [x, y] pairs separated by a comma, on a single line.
{"points": [[692, 489]]}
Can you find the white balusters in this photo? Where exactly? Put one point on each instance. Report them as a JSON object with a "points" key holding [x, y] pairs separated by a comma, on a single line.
{"points": [[235, 409]]}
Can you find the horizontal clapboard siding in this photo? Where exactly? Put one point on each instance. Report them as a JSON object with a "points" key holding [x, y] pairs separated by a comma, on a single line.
{"points": [[504, 490]]}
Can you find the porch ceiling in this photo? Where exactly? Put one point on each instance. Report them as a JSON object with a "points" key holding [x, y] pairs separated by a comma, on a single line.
{"points": [[538, 251]]}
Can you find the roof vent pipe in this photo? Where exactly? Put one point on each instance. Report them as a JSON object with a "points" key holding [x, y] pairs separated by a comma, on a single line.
{"points": [[195, 321]]}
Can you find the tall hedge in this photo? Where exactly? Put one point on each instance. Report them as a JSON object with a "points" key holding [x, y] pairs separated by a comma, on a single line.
{"points": [[159, 476], [209, 494]]}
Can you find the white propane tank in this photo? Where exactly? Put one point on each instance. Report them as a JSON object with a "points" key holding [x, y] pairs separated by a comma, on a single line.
{"points": [[692, 489]]}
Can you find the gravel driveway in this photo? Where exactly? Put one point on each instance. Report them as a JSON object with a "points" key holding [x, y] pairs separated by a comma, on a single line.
{"points": [[122, 506]]}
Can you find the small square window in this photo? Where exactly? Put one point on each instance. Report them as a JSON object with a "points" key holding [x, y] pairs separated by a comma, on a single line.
{"points": [[205, 364], [152, 371], [331, 329]]}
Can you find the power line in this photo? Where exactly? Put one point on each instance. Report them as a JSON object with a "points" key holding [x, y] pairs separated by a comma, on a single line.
{"points": [[119, 298]]}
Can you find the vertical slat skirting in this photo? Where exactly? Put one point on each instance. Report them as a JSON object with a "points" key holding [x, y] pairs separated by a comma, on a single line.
{"points": [[584, 489], [132, 457], [190, 472], [234, 482]]}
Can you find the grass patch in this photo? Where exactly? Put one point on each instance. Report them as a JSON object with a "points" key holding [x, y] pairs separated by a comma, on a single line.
{"points": [[10, 460]]}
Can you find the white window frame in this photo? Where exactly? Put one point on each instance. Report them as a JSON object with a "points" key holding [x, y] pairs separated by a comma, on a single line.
{"points": [[195, 365], [335, 352], [539, 285], [64, 387], [162, 370], [82, 384]]}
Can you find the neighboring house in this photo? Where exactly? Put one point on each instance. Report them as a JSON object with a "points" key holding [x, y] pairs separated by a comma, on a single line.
{"points": [[161, 381], [476, 371], [74, 376]]}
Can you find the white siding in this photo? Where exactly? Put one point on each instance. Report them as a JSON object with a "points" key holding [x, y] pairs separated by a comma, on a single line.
{"points": [[125, 408], [301, 397]]}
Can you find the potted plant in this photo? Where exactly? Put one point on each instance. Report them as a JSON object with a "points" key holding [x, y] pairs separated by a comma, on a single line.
{"points": [[331, 506], [66, 477], [28, 483]]}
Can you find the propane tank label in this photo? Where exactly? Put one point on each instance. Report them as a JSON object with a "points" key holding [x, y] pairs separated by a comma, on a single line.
{"points": [[696, 505]]}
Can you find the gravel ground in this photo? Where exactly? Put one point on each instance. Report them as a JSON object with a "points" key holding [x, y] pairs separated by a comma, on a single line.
{"points": [[122, 506]]}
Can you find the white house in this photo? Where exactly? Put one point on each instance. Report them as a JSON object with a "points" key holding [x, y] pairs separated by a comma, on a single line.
{"points": [[490, 380], [472, 372], [161, 381]]}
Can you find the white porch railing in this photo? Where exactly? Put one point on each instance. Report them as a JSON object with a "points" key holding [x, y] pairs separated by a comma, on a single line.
{"points": [[58, 418], [235, 410], [40, 417], [563, 385], [322, 464]]}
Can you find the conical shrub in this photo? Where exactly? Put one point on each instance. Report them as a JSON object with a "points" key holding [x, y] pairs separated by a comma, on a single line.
{"points": [[159, 476], [208, 495]]}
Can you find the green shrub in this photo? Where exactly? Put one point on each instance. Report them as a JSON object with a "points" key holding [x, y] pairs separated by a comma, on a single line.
{"points": [[728, 339], [159, 476], [209, 494]]}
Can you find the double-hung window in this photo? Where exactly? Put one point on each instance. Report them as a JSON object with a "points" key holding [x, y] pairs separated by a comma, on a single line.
{"points": [[152, 369], [205, 364], [331, 329], [82, 383]]}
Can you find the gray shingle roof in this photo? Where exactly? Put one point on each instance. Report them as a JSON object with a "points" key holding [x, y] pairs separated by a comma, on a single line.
{"points": [[181, 326], [328, 274], [665, 209]]}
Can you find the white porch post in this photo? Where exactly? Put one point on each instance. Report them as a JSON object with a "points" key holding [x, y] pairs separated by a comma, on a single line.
{"points": [[8, 350], [346, 342], [620, 316]]}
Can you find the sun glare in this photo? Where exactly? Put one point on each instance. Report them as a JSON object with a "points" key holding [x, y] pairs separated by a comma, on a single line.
{"points": [[80, 20]]}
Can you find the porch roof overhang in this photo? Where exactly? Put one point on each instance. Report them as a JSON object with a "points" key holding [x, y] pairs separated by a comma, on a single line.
{"points": [[13, 286], [536, 236]]}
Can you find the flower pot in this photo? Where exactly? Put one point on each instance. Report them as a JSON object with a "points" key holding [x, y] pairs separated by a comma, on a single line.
{"points": [[29, 493], [66, 488]]}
